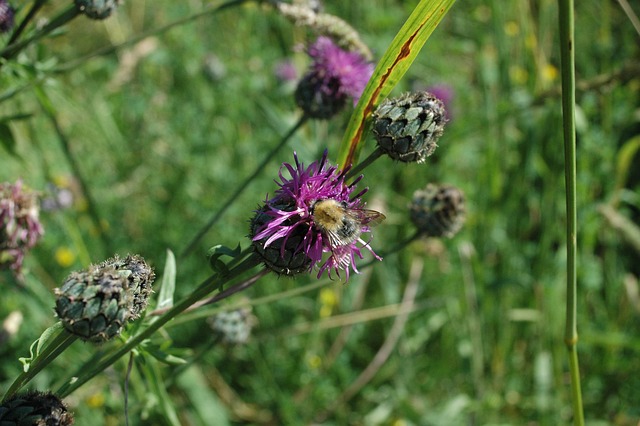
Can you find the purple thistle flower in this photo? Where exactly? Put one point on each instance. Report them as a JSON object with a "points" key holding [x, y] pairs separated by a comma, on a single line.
{"points": [[334, 76], [20, 228], [292, 214], [6, 16]]}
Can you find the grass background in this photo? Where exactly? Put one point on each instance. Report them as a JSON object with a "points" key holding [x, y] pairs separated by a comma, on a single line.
{"points": [[162, 144]]}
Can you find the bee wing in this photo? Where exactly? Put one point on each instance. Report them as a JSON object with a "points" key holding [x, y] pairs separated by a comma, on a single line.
{"points": [[366, 217]]}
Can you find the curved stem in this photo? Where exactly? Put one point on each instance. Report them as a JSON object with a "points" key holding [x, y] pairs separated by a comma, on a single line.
{"points": [[225, 205], [64, 17], [567, 55], [50, 352], [210, 284]]}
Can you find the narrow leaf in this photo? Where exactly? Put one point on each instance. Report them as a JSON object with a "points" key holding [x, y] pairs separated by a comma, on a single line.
{"points": [[394, 63], [165, 298]]}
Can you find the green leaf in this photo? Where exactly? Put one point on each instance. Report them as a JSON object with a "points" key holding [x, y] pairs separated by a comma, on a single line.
{"points": [[165, 298], [625, 159], [206, 404], [164, 356], [38, 344], [394, 63], [6, 139]]}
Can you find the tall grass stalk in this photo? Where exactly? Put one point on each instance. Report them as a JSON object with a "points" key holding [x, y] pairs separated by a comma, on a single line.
{"points": [[567, 53]]}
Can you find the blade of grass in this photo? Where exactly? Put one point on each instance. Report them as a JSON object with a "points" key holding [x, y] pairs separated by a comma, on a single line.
{"points": [[567, 55], [394, 63]]}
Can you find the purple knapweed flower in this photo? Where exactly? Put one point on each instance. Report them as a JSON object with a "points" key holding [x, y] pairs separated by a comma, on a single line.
{"points": [[20, 228], [314, 211], [6, 16], [334, 76]]}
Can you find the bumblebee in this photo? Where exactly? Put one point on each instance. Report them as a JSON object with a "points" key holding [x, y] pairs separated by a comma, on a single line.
{"points": [[341, 224]]}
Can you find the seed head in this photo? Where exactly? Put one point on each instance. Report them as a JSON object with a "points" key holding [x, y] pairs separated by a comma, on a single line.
{"points": [[438, 210], [35, 408], [408, 127], [97, 9]]}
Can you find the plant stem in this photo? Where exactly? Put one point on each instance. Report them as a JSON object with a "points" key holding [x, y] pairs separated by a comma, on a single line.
{"points": [[32, 12], [58, 345], [567, 54], [154, 31], [210, 284], [377, 153], [64, 17], [225, 205], [75, 167]]}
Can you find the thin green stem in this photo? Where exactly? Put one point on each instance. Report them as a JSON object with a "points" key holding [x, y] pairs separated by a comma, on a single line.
{"points": [[225, 205], [64, 17], [155, 31], [75, 167], [32, 12], [210, 284], [50, 352], [567, 54], [377, 153]]}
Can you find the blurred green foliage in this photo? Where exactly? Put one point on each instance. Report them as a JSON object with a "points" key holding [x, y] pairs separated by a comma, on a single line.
{"points": [[165, 129]]}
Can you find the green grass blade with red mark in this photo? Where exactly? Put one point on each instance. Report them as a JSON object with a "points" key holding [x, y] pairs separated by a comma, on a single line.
{"points": [[396, 61]]}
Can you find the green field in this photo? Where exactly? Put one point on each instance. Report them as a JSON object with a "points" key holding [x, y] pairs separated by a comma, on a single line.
{"points": [[152, 127]]}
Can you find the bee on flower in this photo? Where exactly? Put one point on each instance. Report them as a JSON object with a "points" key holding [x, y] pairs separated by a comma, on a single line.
{"points": [[314, 211]]}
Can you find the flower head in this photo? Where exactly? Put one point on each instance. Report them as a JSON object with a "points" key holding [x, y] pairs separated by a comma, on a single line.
{"points": [[318, 210], [334, 76], [20, 227], [6, 16], [35, 408]]}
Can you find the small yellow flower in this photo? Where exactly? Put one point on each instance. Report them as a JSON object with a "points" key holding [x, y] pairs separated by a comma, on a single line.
{"points": [[314, 362], [511, 28], [65, 256], [96, 400], [518, 74], [328, 300], [549, 73]]}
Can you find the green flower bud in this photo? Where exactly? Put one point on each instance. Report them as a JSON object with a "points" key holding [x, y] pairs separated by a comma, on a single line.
{"points": [[95, 304], [408, 127], [140, 276], [438, 210], [97, 9]]}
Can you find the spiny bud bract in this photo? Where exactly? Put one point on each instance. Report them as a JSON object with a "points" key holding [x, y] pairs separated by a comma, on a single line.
{"points": [[35, 408], [407, 128], [94, 304], [438, 210], [97, 9], [140, 276]]}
